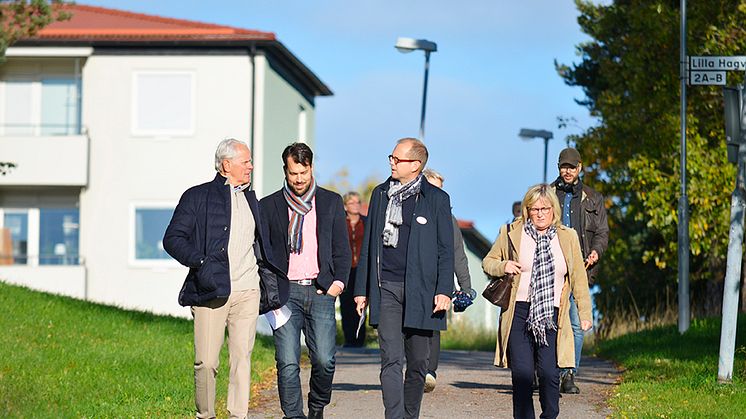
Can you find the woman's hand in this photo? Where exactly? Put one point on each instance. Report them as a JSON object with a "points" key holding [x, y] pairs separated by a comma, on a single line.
{"points": [[585, 325], [512, 267]]}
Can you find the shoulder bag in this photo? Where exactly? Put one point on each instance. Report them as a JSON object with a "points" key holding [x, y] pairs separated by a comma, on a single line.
{"points": [[498, 290]]}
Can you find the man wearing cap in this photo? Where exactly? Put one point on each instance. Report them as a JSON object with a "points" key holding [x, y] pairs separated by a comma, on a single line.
{"points": [[583, 210]]}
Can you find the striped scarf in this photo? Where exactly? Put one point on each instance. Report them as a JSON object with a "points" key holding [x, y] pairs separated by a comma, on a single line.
{"points": [[541, 314], [300, 205], [397, 194]]}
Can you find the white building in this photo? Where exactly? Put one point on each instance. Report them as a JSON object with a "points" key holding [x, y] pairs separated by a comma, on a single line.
{"points": [[109, 117]]}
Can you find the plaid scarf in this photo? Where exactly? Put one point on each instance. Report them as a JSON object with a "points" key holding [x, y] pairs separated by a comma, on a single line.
{"points": [[397, 194], [300, 205], [541, 314]]}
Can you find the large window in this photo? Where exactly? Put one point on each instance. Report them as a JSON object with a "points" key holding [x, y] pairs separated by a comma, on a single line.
{"points": [[149, 224], [40, 106], [163, 103], [42, 236]]}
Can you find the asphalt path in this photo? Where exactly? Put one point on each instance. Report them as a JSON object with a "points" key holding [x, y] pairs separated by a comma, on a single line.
{"points": [[468, 386]]}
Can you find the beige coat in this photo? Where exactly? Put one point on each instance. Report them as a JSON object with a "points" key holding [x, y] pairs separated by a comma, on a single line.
{"points": [[575, 280]]}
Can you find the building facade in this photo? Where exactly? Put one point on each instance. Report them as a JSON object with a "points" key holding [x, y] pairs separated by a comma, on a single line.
{"points": [[109, 117]]}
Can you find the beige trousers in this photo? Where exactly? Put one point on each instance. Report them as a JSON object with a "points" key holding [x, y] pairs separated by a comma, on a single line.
{"points": [[239, 314]]}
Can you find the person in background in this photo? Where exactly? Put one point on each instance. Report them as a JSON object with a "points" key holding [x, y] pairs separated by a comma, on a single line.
{"points": [[516, 209], [461, 268], [347, 306], [308, 236], [583, 210], [228, 256], [535, 331], [405, 272]]}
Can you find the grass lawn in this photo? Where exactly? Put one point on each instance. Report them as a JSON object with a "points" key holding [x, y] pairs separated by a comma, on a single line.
{"points": [[67, 358], [668, 375]]}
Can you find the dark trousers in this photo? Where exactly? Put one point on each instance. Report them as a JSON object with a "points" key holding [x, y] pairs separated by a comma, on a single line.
{"points": [[348, 310], [434, 351], [396, 342], [525, 355], [313, 314]]}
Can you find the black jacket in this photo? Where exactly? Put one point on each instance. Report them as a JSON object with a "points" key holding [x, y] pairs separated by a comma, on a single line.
{"points": [[334, 255], [197, 237], [593, 230], [429, 257]]}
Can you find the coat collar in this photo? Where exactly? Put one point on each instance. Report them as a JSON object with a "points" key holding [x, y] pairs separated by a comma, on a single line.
{"points": [[425, 188]]}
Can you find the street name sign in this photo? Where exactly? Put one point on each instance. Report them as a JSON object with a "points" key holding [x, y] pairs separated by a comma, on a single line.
{"points": [[712, 70]]}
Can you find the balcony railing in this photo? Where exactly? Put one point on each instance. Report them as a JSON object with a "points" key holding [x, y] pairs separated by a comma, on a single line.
{"points": [[39, 130]]}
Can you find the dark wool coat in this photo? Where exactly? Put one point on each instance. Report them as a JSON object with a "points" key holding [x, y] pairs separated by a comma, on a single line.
{"points": [[429, 257]]}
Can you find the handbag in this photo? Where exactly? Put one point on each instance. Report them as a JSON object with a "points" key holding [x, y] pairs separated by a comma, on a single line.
{"points": [[498, 290]]}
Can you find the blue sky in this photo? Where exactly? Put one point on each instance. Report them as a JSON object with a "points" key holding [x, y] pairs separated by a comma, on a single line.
{"points": [[493, 74]]}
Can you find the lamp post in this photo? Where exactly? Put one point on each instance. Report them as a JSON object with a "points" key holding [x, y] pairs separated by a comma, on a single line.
{"points": [[528, 134], [407, 45]]}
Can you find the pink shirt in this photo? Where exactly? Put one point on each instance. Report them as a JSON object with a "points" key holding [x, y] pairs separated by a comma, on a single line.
{"points": [[305, 265], [526, 259]]}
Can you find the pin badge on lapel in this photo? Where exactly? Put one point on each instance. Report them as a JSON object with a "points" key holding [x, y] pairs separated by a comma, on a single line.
{"points": [[421, 220]]}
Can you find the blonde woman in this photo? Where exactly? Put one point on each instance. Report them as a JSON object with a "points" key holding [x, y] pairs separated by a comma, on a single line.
{"points": [[535, 330]]}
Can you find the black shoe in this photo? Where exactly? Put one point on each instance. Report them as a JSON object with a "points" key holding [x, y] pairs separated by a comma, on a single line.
{"points": [[567, 384], [316, 413]]}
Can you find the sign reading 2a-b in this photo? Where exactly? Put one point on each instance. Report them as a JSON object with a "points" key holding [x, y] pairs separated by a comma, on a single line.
{"points": [[712, 70]]}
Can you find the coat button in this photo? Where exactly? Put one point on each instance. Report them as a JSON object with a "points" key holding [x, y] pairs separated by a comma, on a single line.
{"points": [[223, 249], [225, 228]]}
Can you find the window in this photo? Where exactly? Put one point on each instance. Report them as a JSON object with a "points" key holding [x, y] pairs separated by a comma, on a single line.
{"points": [[58, 236], [163, 103], [40, 106], [149, 224], [17, 224], [43, 236]]}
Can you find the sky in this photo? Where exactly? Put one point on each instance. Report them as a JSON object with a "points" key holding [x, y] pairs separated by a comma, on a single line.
{"points": [[492, 75]]}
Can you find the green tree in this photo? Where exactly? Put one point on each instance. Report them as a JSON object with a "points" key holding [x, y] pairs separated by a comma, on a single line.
{"points": [[629, 73]]}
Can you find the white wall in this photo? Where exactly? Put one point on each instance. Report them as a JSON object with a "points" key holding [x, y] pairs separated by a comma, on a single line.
{"points": [[126, 168]]}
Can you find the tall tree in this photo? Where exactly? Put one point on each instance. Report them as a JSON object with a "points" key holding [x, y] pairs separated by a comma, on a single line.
{"points": [[629, 73]]}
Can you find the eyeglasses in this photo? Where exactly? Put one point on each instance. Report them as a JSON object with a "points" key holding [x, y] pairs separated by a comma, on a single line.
{"points": [[396, 160], [543, 210]]}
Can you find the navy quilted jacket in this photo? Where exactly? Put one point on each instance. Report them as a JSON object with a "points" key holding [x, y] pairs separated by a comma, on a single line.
{"points": [[197, 237]]}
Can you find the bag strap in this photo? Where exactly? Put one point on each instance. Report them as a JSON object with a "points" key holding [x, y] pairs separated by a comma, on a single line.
{"points": [[510, 245]]}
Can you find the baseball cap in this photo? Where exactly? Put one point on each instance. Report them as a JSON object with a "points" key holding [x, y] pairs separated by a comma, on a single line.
{"points": [[569, 156]]}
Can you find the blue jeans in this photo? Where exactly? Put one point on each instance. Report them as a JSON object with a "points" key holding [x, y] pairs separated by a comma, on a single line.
{"points": [[577, 333], [313, 314]]}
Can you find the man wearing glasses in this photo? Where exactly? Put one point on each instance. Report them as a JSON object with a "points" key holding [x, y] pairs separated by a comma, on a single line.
{"points": [[405, 274], [583, 210]]}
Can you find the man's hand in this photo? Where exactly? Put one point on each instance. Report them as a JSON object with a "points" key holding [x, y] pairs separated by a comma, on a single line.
{"points": [[361, 303], [442, 302], [585, 325], [334, 290], [512, 267], [592, 258]]}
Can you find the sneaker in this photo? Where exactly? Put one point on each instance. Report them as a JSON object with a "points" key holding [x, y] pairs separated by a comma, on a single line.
{"points": [[567, 384], [430, 382]]}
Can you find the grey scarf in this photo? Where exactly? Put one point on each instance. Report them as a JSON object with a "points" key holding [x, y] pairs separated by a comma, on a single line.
{"points": [[397, 194]]}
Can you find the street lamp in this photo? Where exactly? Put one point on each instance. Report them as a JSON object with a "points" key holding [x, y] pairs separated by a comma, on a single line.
{"points": [[407, 45], [528, 134]]}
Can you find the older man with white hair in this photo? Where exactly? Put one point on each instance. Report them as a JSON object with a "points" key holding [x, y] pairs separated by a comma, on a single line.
{"points": [[216, 232]]}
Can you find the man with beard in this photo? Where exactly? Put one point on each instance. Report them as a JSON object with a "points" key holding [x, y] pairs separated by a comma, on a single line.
{"points": [[583, 210], [308, 238]]}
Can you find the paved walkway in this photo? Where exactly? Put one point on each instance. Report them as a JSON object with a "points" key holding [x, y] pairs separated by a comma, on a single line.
{"points": [[469, 386]]}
